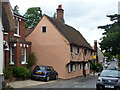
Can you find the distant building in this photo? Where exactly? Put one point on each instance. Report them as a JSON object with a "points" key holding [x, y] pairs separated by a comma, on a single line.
{"points": [[61, 46], [98, 53], [119, 7]]}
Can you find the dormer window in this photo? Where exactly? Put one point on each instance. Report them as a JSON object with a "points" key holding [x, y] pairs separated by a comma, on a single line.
{"points": [[17, 27]]}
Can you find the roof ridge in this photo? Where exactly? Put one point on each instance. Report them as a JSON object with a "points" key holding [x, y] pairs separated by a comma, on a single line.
{"points": [[70, 33]]}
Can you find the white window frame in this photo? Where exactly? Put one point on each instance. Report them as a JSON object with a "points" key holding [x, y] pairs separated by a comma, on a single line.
{"points": [[69, 68], [24, 62], [74, 67], [18, 31], [11, 56]]}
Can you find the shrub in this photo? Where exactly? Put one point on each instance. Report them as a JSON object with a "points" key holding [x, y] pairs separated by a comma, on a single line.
{"points": [[31, 61], [118, 58], [21, 72], [99, 65], [8, 73], [93, 66]]}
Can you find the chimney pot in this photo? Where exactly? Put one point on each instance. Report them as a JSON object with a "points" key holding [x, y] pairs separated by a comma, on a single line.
{"points": [[60, 14], [60, 6]]}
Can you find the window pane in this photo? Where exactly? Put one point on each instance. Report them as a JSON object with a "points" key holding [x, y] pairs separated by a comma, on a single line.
{"points": [[78, 50], [85, 51], [23, 54], [12, 55], [22, 57], [15, 30], [16, 27], [44, 29], [12, 58]]}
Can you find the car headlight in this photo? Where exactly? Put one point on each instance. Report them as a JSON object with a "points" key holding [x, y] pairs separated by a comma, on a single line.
{"points": [[100, 79], [119, 80]]}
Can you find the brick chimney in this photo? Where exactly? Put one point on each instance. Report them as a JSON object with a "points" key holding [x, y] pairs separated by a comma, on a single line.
{"points": [[60, 14]]}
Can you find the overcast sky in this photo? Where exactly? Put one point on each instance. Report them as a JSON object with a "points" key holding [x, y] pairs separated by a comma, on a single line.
{"points": [[84, 15]]}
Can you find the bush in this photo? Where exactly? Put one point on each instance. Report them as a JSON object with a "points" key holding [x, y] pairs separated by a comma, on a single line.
{"points": [[99, 65], [8, 73], [31, 61], [118, 58], [21, 72], [93, 66]]}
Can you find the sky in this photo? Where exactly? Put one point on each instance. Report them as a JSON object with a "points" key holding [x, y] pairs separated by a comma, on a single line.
{"points": [[84, 15]]}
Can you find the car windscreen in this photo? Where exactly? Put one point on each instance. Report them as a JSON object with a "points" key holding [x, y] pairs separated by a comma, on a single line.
{"points": [[41, 68], [110, 73]]}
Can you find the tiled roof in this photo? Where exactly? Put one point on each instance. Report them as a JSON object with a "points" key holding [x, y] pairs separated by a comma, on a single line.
{"points": [[28, 31], [5, 21], [70, 33]]}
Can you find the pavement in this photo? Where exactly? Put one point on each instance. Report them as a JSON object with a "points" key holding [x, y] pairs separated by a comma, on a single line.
{"points": [[26, 83]]}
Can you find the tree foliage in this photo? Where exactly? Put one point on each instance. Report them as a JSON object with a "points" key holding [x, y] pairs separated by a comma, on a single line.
{"points": [[110, 42], [33, 16], [31, 60]]}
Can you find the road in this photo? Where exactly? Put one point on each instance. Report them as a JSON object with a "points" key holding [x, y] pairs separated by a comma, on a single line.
{"points": [[78, 82]]}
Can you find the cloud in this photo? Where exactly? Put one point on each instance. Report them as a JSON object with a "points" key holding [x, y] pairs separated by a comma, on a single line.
{"points": [[84, 15]]}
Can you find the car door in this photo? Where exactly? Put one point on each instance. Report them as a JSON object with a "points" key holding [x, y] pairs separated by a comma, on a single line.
{"points": [[52, 73]]}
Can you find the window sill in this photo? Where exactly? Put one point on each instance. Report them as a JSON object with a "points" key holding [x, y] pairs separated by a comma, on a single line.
{"points": [[23, 63], [6, 33], [16, 35], [12, 63]]}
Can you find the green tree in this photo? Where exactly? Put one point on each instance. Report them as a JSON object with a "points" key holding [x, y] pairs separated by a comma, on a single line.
{"points": [[33, 16], [108, 55], [110, 42], [54, 15]]}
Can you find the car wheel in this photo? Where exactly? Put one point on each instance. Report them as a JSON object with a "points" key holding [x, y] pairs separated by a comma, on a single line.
{"points": [[97, 88], [118, 88], [47, 78], [56, 77]]}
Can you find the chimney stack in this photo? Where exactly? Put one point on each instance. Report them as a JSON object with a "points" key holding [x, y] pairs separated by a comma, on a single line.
{"points": [[60, 14]]}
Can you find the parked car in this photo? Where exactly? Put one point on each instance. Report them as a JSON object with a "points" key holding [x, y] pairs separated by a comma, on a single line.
{"points": [[44, 73], [109, 79], [105, 66], [108, 63], [112, 68]]}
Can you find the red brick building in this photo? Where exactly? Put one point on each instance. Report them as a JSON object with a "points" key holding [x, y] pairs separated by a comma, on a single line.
{"points": [[16, 48]]}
